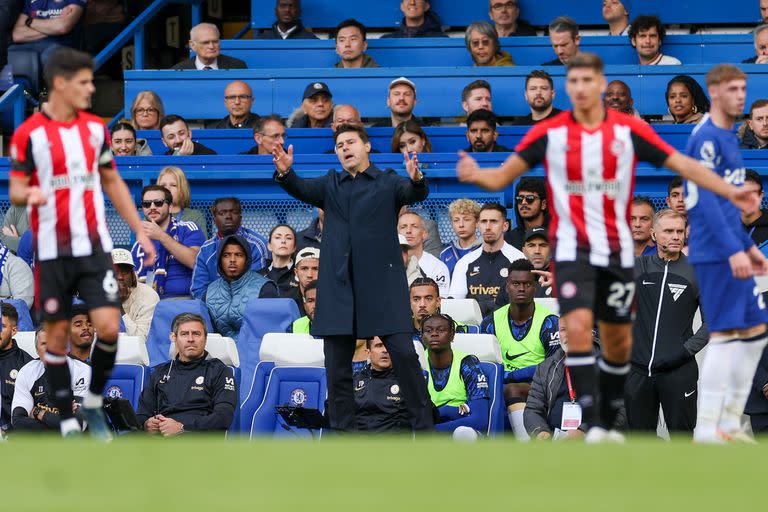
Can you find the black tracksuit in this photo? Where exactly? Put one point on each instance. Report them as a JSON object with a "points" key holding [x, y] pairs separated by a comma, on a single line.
{"points": [[757, 403], [200, 394], [380, 405], [11, 361], [664, 370]]}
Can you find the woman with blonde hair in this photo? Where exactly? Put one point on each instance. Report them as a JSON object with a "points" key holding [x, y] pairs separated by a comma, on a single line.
{"points": [[174, 179], [147, 111]]}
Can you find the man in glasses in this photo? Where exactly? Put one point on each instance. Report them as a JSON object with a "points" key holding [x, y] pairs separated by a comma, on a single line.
{"points": [[205, 41], [268, 132], [238, 100], [530, 210], [505, 15], [176, 244]]}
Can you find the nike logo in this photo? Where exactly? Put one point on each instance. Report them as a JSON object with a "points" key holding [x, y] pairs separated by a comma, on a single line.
{"points": [[647, 282], [473, 274], [689, 394], [512, 358]]}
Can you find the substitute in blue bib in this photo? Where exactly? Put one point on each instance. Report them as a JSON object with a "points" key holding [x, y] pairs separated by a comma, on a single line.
{"points": [[455, 381]]}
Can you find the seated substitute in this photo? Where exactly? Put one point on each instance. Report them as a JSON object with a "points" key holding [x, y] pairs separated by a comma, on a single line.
{"points": [[753, 134], [527, 333], [411, 226], [539, 94], [12, 358], [418, 21], [380, 407], [33, 409], [464, 214], [484, 47], [228, 296], [177, 137], [268, 132], [137, 300], [306, 270], [455, 381], [177, 244], [238, 100], [482, 134], [351, 44], [288, 24], [81, 333], [303, 325], [192, 393], [425, 301], [205, 41]]}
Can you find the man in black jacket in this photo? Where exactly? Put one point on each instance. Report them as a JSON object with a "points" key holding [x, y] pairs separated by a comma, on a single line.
{"points": [[12, 358], [531, 210], [288, 24], [192, 393], [177, 137], [380, 404], [204, 40], [756, 223], [664, 371], [418, 21]]}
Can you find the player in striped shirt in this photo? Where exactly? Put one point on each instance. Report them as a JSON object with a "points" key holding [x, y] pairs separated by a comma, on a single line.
{"points": [[61, 165], [589, 156]]}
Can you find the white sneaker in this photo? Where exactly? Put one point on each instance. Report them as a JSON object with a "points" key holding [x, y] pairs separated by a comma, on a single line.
{"points": [[596, 435]]}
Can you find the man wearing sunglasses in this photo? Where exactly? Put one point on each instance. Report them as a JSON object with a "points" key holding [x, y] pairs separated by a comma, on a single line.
{"points": [[238, 100], [530, 210], [176, 244]]}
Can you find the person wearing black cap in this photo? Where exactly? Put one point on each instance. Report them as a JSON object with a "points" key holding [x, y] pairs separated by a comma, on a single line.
{"points": [[537, 250], [316, 108], [401, 100]]}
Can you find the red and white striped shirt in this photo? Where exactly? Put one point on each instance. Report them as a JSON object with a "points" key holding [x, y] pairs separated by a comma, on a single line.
{"points": [[590, 180], [63, 159]]}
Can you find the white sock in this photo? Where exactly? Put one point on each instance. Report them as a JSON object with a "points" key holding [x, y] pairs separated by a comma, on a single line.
{"points": [[712, 381], [518, 426], [746, 356], [68, 425], [92, 400]]}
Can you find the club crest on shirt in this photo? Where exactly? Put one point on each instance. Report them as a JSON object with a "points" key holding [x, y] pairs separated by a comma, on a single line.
{"points": [[13, 374], [707, 151], [504, 272], [617, 147]]}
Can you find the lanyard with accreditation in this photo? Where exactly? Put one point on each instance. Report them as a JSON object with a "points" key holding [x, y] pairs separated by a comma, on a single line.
{"points": [[571, 410]]}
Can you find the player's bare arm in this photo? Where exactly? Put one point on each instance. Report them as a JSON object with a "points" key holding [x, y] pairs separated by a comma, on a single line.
{"points": [[185, 255], [21, 194], [496, 178], [118, 193]]}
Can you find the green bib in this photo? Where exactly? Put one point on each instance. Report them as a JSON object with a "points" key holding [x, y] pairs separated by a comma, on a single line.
{"points": [[528, 351], [454, 393], [301, 326]]}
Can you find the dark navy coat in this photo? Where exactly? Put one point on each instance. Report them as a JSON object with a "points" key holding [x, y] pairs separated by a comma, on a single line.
{"points": [[362, 288]]}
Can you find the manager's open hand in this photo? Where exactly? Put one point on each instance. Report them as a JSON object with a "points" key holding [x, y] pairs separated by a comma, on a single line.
{"points": [[412, 166], [466, 168], [283, 160]]}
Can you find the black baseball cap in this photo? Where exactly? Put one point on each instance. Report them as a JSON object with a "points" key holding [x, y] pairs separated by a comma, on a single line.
{"points": [[316, 88], [539, 231]]}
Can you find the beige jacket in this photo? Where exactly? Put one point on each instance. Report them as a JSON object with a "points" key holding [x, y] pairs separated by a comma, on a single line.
{"points": [[139, 308]]}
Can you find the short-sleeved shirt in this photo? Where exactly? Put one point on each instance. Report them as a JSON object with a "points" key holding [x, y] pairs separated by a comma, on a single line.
{"points": [[64, 159], [51, 9], [591, 174]]}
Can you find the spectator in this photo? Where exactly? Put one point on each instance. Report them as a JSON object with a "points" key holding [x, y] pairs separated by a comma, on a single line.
{"points": [[228, 295], [147, 111], [686, 100], [664, 371], [410, 137], [174, 179], [46, 25], [138, 300], [312, 234], [641, 221], [411, 226], [15, 224], [425, 301], [538, 251], [81, 333], [527, 333], [316, 108], [268, 132], [483, 45], [753, 134], [176, 401], [479, 275], [282, 245], [177, 244], [16, 279], [646, 34], [764, 10], [565, 39], [476, 95], [531, 210], [306, 271], [177, 137], [228, 218], [675, 199], [618, 96], [455, 381], [757, 402], [761, 46], [401, 101], [418, 21], [351, 44], [303, 325], [288, 24], [539, 94], [378, 408], [412, 270], [464, 214], [123, 141], [12, 358], [616, 14], [505, 16], [755, 223], [205, 41], [33, 408], [482, 134], [345, 114], [238, 100]]}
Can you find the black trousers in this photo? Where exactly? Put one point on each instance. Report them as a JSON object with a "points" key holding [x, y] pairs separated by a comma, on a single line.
{"points": [[675, 391], [341, 399], [759, 423]]}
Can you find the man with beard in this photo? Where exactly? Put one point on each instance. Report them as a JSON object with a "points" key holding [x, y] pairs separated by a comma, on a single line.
{"points": [[618, 96], [81, 334], [539, 93], [531, 210], [137, 300], [401, 100], [425, 301], [754, 134], [12, 358], [482, 134]]}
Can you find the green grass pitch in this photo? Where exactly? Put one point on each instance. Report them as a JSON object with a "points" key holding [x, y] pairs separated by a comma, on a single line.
{"points": [[376, 474]]}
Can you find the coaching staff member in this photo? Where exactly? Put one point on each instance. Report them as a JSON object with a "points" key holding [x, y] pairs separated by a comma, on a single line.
{"points": [[362, 290]]}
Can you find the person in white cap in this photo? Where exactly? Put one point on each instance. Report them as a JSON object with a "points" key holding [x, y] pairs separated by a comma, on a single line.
{"points": [[401, 100], [137, 299]]}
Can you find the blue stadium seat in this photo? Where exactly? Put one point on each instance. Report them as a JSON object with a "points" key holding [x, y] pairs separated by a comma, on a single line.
{"points": [[473, 329], [25, 320], [127, 381], [255, 394], [158, 341], [26, 66]]}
